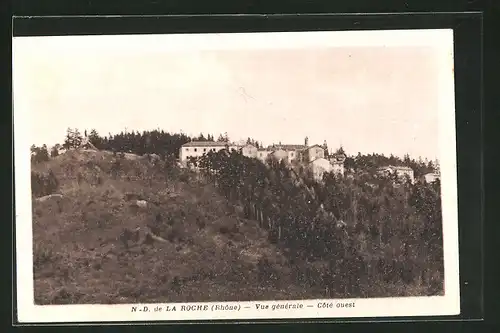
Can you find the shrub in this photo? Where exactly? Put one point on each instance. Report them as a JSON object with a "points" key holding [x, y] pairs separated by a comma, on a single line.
{"points": [[43, 254], [376, 215], [43, 184]]}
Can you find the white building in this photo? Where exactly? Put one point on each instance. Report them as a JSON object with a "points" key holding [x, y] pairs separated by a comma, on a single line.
{"points": [[279, 155], [314, 156], [319, 167], [337, 162], [262, 154], [401, 171], [249, 150], [199, 148], [431, 177], [312, 153]]}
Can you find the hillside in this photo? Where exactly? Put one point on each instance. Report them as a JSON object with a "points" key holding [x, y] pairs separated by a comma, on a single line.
{"points": [[204, 250]]}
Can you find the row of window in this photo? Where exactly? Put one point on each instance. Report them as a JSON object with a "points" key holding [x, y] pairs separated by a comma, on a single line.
{"points": [[292, 154], [205, 149], [196, 149]]}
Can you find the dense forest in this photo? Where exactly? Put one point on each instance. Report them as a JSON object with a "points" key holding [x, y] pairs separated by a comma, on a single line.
{"points": [[364, 235], [344, 234]]}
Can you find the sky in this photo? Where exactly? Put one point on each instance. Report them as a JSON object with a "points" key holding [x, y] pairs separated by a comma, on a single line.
{"points": [[367, 98]]}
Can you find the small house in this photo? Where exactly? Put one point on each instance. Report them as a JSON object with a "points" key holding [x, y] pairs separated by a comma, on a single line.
{"points": [[431, 177], [319, 166], [312, 153], [199, 148], [279, 155], [249, 151], [400, 171]]}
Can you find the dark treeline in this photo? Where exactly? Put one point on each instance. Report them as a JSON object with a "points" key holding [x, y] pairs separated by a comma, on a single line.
{"points": [[39, 154], [359, 236], [148, 142], [151, 142]]}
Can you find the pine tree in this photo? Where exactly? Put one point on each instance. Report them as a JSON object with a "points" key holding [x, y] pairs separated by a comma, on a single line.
{"points": [[54, 152], [68, 140], [77, 138], [39, 154], [95, 139]]}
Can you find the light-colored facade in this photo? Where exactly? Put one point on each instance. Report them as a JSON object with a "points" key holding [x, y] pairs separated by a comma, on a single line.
{"points": [[199, 148], [319, 167], [262, 154], [337, 162], [279, 155], [312, 153], [431, 177], [293, 155], [249, 151], [314, 156], [399, 170]]}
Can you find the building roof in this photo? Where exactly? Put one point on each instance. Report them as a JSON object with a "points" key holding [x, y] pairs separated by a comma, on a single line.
{"points": [[292, 147], [315, 146], [205, 144], [432, 173], [395, 168], [318, 159], [338, 157], [285, 147]]}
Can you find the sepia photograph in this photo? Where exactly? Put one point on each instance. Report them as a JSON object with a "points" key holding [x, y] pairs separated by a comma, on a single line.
{"points": [[235, 176]]}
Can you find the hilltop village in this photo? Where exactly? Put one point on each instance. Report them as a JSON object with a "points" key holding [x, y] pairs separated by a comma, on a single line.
{"points": [[122, 209], [315, 157]]}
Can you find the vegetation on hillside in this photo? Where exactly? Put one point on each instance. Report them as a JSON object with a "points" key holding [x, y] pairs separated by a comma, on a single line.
{"points": [[84, 249], [363, 236], [237, 230]]}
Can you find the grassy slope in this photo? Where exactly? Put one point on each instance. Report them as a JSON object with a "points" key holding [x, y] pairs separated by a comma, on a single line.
{"points": [[211, 254]]}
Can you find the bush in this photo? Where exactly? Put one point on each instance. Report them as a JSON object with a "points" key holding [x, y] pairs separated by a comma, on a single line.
{"points": [[43, 184]]}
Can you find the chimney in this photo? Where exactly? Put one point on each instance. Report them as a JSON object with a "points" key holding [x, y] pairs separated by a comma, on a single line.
{"points": [[306, 141]]}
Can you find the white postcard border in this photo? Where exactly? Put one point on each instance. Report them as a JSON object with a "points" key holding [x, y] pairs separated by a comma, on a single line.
{"points": [[373, 307]]}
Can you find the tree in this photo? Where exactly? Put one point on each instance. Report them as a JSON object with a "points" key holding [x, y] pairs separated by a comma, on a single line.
{"points": [[39, 154], [221, 138], [340, 150], [73, 138], [200, 137], [77, 138], [54, 152], [68, 140], [95, 139]]}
